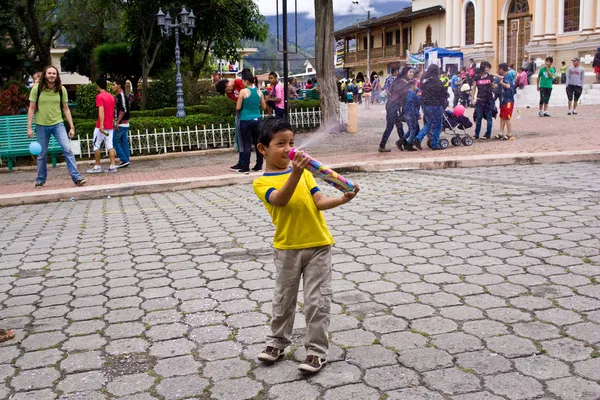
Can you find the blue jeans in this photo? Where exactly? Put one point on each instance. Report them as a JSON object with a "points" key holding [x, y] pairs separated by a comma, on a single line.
{"points": [[484, 109], [413, 127], [433, 121], [376, 96], [43, 134], [392, 118], [121, 142], [247, 138]]}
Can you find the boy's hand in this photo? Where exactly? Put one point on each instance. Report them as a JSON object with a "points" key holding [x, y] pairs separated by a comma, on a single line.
{"points": [[299, 163], [350, 195]]}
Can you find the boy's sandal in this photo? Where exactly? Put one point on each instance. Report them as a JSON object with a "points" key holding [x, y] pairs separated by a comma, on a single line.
{"points": [[6, 335]]}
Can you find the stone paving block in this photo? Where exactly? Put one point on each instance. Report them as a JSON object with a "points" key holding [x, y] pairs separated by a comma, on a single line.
{"points": [[574, 388], [124, 330], [182, 387], [93, 380], [171, 348], [337, 374], [514, 386], [451, 381], [542, 367], [360, 391], [413, 311], [484, 328], [355, 337], [384, 324], [127, 346], [483, 362], [370, 356], [130, 384], [477, 396], [219, 350], [403, 340], [278, 373], [293, 391], [243, 388], [425, 359], [35, 379], [433, 325], [456, 342], [567, 349], [391, 377], [88, 342], [226, 369], [79, 362], [511, 346], [40, 341], [8, 353], [418, 393], [589, 369]]}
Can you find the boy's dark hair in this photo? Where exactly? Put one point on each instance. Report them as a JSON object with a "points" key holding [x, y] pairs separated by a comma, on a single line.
{"points": [[563, 62], [512, 66], [273, 74], [503, 67], [221, 86], [484, 65], [269, 126], [550, 59], [120, 82], [101, 82], [248, 76], [394, 70]]}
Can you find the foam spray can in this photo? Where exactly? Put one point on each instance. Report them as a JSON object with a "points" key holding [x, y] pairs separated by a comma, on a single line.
{"points": [[327, 174]]}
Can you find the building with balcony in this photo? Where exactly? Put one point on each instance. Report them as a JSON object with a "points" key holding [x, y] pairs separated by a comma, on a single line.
{"points": [[391, 36], [493, 30]]}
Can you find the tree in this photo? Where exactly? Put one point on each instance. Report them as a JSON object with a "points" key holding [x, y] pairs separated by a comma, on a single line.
{"points": [[141, 28], [77, 60], [221, 28], [38, 17], [87, 24], [119, 61], [325, 55]]}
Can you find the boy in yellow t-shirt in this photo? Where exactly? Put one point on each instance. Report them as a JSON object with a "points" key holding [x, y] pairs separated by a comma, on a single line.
{"points": [[302, 244]]}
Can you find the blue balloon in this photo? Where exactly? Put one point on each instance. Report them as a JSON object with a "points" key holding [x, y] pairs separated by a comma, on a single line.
{"points": [[35, 148]]}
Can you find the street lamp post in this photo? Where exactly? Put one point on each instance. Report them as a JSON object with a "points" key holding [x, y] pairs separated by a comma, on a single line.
{"points": [[186, 25], [368, 39]]}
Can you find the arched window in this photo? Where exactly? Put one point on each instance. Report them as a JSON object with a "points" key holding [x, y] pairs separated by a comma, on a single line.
{"points": [[571, 15], [428, 35], [470, 24]]}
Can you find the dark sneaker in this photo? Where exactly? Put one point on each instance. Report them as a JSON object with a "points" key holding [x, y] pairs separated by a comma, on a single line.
{"points": [[383, 150], [257, 168], [546, 114], [80, 181], [417, 144], [574, 112], [400, 145], [270, 354], [123, 164], [235, 167], [312, 364], [39, 184], [244, 171]]}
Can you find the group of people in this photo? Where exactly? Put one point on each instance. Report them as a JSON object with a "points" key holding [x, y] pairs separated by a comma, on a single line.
{"points": [[473, 86], [48, 103], [362, 90]]}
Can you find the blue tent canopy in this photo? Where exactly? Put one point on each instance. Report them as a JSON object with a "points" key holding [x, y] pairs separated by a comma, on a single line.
{"points": [[443, 53]]}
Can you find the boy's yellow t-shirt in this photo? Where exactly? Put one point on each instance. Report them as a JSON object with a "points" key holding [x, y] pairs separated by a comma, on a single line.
{"points": [[298, 225]]}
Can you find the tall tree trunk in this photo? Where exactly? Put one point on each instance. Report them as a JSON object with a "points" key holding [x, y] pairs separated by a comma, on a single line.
{"points": [[97, 32], [325, 53]]}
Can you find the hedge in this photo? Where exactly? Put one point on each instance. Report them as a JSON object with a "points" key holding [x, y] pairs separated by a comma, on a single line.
{"points": [[85, 127], [217, 106]]}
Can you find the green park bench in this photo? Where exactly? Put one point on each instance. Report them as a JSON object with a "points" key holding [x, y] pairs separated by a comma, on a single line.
{"points": [[310, 94], [14, 141]]}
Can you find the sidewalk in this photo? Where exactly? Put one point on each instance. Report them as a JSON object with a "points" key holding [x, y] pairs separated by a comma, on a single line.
{"points": [[561, 138]]}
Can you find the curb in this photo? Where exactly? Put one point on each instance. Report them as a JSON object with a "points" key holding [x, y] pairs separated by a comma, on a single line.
{"points": [[128, 189]]}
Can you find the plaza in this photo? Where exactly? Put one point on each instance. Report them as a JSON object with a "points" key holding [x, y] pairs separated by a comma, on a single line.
{"points": [[461, 284]]}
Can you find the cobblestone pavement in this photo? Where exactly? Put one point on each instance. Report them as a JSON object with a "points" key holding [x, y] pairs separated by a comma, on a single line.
{"points": [[456, 284]]}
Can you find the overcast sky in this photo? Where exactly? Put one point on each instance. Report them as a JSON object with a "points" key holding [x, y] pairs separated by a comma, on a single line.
{"points": [[341, 7]]}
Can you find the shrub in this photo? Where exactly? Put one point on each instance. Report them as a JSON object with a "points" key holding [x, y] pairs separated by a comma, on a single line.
{"points": [[86, 100], [13, 99]]}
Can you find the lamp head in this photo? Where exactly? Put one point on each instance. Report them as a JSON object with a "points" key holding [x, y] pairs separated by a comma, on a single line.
{"points": [[160, 17], [192, 18], [168, 19], [184, 16]]}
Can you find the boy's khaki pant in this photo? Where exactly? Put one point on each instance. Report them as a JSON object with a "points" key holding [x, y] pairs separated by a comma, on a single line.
{"points": [[314, 266]]}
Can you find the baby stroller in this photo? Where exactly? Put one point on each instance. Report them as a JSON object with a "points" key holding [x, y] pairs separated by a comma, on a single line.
{"points": [[458, 126]]}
